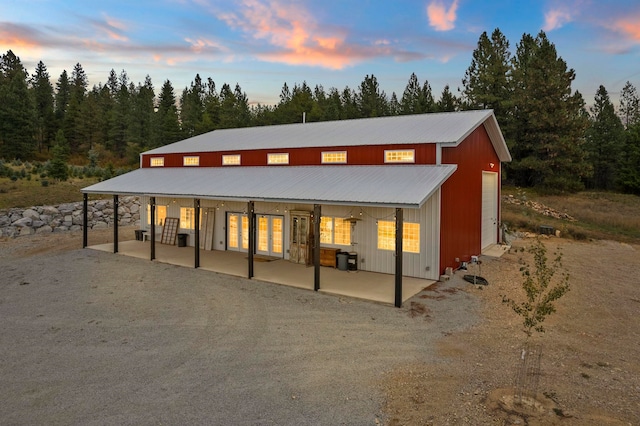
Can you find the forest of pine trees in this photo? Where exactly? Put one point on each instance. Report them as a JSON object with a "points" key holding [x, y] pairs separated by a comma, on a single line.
{"points": [[557, 142]]}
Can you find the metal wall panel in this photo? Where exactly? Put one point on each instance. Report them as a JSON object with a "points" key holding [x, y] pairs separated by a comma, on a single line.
{"points": [[462, 197]]}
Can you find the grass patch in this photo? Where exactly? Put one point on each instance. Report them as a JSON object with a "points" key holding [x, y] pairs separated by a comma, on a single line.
{"points": [[599, 215], [26, 193]]}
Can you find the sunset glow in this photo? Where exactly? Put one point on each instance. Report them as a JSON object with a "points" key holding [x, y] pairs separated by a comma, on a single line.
{"points": [[260, 44]]}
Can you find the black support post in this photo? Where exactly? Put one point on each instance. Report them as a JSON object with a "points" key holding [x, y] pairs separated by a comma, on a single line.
{"points": [[252, 236], [398, 290], [152, 226], [317, 211], [196, 208], [116, 206], [85, 219]]}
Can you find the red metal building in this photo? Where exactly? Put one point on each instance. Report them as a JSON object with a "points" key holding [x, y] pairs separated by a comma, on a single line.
{"points": [[435, 177]]}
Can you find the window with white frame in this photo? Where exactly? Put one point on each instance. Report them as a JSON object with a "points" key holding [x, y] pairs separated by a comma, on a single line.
{"points": [[335, 230], [399, 156], [157, 161], [187, 218], [334, 157], [192, 160], [410, 236], [278, 158], [231, 160], [161, 214]]}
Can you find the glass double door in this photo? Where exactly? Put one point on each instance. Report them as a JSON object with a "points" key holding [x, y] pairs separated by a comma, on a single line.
{"points": [[269, 234]]}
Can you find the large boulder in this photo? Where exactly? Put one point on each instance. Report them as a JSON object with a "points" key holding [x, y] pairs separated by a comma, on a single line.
{"points": [[66, 209], [44, 229], [24, 222], [50, 210], [31, 213]]}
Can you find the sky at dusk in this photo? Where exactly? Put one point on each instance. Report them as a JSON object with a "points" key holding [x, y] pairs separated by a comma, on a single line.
{"points": [[262, 44]]}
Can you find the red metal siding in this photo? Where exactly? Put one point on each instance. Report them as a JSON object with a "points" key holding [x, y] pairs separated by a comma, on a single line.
{"points": [[356, 155], [461, 213]]}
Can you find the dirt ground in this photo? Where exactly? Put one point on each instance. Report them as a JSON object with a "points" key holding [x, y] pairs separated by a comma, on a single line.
{"points": [[590, 366]]}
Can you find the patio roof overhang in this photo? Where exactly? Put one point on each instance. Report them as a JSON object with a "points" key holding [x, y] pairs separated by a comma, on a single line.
{"points": [[401, 186]]}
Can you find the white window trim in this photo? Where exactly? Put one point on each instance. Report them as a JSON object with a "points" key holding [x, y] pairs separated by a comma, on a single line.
{"points": [[273, 158], [332, 232], [186, 158], [230, 160], [404, 242], [412, 160], [334, 152], [159, 160]]}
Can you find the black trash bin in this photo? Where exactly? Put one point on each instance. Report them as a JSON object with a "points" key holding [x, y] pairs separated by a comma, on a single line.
{"points": [[182, 240], [343, 261], [352, 261]]}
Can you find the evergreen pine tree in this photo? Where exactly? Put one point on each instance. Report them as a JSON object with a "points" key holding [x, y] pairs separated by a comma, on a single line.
{"points": [[167, 122], [370, 101], [547, 136], [72, 118], [44, 122], [416, 99], [447, 102], [63, 93], [629, 173], [604, 142], [487, 82], [16, 109], [119, 118], [57, 168], [629, 105], [192, 108]]}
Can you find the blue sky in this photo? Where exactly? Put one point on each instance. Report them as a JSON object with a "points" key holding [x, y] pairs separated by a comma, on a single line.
{"points": [[262, 44]]}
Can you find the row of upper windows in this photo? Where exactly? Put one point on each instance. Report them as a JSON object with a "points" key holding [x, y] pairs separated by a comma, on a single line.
{"points": [[328, 157]]}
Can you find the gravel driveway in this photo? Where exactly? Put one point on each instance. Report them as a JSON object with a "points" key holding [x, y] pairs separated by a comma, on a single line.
{"points": [[94, 338]]}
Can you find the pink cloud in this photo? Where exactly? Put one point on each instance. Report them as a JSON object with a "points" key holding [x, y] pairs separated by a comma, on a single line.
{"points": [[18, 38], [556, 18], [441, 18], [114, 29], [629, 26], [296, 36]]}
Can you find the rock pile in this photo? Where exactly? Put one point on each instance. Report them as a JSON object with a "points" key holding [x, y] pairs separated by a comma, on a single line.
{"points": [[538, 207], [68, 217]]}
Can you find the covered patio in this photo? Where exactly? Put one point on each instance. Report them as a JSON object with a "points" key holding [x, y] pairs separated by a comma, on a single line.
{"points": [[364, 285]]}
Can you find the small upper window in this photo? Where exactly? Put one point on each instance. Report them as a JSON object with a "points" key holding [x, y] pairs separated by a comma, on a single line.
{"points": [[191, 161], [400, 156], [335, 157], [157, 161], [231, 160], [279, 158]]}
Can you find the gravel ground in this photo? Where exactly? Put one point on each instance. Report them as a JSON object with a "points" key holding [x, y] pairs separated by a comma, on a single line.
{"points": [[89, 337]]}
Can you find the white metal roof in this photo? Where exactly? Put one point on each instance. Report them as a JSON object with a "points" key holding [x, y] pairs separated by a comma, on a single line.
{"points": [[391, 186], [449, 128]]}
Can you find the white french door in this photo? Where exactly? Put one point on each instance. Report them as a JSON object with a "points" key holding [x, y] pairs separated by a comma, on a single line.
{"points": [[237, 232], [270, 235]]}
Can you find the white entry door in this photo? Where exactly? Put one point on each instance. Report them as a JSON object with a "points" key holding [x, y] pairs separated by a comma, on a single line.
{"points": [[270, 238], [237, 232], [489, 209]]}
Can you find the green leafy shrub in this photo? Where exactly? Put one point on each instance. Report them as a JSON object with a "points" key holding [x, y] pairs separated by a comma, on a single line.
{"points": [[542, 287]]}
